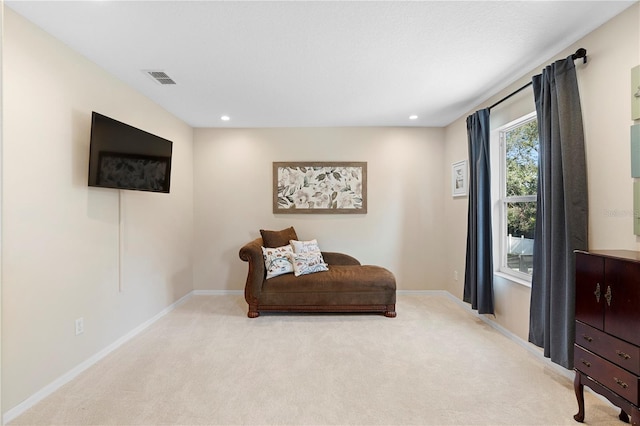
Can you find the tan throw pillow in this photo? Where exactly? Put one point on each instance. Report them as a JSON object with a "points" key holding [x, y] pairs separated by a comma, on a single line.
{"points": [[278, 238], [307, 263], [305, 246], [277, 260]]}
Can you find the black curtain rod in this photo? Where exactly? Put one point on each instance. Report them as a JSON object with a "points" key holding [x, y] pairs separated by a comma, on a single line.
{"points": [[580, 53]]}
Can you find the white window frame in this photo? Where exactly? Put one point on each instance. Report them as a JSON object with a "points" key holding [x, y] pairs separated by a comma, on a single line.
{"points": [[504, 200]]}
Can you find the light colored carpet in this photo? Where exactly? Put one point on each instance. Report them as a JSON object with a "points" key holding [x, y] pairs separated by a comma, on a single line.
{"points": [[207, 363]]}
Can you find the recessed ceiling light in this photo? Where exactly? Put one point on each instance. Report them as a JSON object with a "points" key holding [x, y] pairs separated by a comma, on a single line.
{"points": [[225, 118], [413, 117]]}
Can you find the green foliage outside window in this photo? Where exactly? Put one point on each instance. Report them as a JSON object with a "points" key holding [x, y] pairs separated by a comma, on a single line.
{"points": [[522, 178]]}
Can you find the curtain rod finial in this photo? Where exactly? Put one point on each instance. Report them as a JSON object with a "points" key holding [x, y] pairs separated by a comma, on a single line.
{"points": [[580, 53]]}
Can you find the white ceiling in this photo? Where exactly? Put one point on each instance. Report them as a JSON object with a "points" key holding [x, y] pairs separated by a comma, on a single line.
{"points": [[319, 63]]}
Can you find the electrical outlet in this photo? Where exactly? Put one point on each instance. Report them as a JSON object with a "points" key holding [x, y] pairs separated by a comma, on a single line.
{"points": [[79, 326], [455, 275]]}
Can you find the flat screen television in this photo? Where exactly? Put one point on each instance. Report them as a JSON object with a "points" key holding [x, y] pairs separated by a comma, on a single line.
{"points": [[124, 157]]}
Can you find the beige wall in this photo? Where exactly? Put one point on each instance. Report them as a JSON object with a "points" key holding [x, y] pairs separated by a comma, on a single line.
{"points": [[401, 231], [60, 237], [606, 98], [604, 83], [1, 136]]}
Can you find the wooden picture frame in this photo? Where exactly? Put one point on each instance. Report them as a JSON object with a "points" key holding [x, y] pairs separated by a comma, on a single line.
{"points": [[320, 187]]}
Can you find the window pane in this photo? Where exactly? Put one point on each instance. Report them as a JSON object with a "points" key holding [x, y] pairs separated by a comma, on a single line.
{"points": [[521, 144], [521, 220]]}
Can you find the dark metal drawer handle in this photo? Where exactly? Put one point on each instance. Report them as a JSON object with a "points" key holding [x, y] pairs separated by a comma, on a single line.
{"points": [[597, 292], [607, 295], [587, 363], [623, 355], [622, 384], [587, 338]]}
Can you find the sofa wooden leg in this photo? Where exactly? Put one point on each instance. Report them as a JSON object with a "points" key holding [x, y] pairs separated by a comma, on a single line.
{"points": [[253, 312], [390, 312]]}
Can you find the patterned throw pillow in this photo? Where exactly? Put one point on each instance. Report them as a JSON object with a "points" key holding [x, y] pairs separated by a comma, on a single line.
{"points": [[307, 263], [277, 261], [305, 246]]}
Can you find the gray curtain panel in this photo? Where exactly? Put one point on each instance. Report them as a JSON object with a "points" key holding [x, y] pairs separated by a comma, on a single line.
{"points": [[561, 218], [478, 277]]}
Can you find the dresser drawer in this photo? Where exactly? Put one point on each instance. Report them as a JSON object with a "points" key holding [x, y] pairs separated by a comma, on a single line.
{"points": [[615, 350], [608, 374]]}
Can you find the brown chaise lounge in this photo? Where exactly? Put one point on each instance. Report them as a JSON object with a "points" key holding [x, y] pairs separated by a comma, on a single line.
{"points": [[347, 286]]}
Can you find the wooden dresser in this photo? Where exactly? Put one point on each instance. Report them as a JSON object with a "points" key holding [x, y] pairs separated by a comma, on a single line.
{"points": [[607, 343]]}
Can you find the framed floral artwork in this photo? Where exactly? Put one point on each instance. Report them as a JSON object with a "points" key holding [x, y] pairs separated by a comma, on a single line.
{"points": [[320, 187]]}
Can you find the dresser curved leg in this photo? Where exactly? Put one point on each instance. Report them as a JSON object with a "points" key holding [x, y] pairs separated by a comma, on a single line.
{"points": [[635, 417], [579, 389], [624, 416]]}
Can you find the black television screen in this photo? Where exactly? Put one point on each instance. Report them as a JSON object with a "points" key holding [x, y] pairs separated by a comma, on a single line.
{"points": [[124, 157]]}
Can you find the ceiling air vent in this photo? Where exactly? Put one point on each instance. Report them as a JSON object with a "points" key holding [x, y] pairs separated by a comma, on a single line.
{"points": [[161, 77]]}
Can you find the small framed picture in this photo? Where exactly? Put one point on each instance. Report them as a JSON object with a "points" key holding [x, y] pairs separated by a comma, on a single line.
{"points": [[459, 180]]}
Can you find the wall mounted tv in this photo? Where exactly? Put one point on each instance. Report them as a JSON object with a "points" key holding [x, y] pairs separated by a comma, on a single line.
{"points": [[124, 157]]}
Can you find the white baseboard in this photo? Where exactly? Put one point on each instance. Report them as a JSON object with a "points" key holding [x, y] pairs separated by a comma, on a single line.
{"points": [[421, 292], [74, 372], [217, 292]]}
